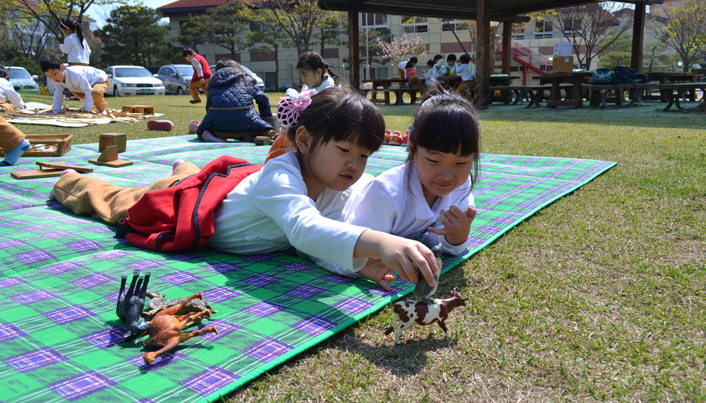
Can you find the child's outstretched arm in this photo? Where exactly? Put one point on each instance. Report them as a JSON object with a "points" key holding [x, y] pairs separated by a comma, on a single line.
{"points": [[399, 254]]}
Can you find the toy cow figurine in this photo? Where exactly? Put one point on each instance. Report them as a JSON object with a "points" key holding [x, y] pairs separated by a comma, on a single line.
{"points": [[408, 312], [130, 305], [165, 329]]}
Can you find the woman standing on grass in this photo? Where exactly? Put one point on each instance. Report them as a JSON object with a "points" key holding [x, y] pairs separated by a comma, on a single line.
{"points": [[75, 47]]}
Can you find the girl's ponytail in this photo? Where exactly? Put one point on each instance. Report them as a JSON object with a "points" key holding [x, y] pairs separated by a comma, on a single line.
{"points": [[330, 72], [75, 27]]}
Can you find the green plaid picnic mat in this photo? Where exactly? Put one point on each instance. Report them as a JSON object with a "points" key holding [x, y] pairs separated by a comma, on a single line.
{"points": [[59, 275]]}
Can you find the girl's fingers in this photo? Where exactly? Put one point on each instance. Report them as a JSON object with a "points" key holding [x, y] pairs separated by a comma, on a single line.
{"points": [[439, 231], [425, 260]]}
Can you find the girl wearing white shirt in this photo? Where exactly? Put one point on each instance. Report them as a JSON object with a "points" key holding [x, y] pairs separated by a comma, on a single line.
{"points": [[75, 46], [467, 74], [429, 196], [315, 73], [295, 200]]}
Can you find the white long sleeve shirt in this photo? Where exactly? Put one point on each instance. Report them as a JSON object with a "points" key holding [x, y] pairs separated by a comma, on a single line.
{"points": [[7, 92], [394, 203], [466, 71], [78, 79], [270, 211], [75, 53]]}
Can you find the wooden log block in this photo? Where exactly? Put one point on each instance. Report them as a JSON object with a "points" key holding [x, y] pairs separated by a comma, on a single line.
{"points": [[48, 166], [112, 139], [128, 109], [109, 154], [37, 174], [112, 164], [146, 109], [133, 109]]}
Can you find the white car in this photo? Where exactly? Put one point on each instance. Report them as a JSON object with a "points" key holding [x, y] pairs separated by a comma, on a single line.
{"points": [[133, 80]]}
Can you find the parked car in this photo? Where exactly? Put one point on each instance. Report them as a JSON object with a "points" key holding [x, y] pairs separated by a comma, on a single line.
{"points": [[23, 81], [176, 78], [51, 84], [260, 84], [133, 80]]}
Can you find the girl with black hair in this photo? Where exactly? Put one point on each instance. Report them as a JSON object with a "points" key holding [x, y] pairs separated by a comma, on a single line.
{"points": [[295, 200], [315, 73], [75, 47], [429, 196]]}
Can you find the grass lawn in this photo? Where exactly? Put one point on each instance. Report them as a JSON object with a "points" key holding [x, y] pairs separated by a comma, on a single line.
{"points": [[600, 296]]}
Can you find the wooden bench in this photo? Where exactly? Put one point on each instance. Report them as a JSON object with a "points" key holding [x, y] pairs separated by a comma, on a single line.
{"points": [[598, 93], [676, 91], [399, 92], [533, 93]]}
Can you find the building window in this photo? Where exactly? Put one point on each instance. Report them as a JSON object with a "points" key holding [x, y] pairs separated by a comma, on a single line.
{"points": [[543, 29], [572, 25], [368, 20], [518, 31], [414, 25], [453, 25], [255, 27]]}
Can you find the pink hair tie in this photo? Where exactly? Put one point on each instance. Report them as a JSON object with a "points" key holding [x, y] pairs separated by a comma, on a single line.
{"points": [[291, 107]]}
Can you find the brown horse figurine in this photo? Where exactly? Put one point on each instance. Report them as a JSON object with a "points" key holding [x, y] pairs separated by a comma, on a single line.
{"points": [[165, 329], [424, 313]]}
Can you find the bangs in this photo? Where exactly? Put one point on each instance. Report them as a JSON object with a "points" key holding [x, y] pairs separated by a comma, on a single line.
{"points": [[448, 129]]}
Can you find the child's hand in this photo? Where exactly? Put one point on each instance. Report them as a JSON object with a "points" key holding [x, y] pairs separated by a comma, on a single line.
{"points": [[457, 224], [376, 271], [401, 255]]}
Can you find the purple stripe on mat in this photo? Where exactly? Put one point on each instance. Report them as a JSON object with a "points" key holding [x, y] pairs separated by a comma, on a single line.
{"points": [[82, 385], [210, 380], [35, 359]]}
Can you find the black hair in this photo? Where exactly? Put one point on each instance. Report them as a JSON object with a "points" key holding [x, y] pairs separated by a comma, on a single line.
{"points": [[446, 122], [4, 73], [188, 51], [75, 27], [312, 61], [413, 59], [451, 57], [410, 63], [437, 58], [430, 62], [242, 77], [465, 58], [50, 62], [341, 114]]}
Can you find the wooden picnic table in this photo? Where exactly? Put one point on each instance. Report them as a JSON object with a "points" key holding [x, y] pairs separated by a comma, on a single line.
{"points": [[386, 84], [496, 80], [556, 79], [665, 77]]}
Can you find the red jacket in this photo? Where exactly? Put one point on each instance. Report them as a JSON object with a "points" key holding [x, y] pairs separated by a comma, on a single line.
{"points": [[181, 217], [204, 66]]}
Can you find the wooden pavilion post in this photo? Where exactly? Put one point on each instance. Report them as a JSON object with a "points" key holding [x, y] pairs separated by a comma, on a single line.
{"points": [[483, 54], [507, 47], [353, 49], [638, 35]]}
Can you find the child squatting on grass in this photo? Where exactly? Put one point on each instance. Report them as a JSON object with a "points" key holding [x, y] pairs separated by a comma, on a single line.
{"points": [[429, 196], [295, 200], [83, 81], [12, 140]]}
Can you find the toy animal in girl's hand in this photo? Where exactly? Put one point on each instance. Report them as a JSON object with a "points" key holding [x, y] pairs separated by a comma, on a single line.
{"points": [[158, 303], [409, 312], [130, 305], [165, 329]]}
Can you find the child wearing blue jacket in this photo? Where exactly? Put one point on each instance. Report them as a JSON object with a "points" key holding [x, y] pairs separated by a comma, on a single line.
{"points": [[230, 112]]}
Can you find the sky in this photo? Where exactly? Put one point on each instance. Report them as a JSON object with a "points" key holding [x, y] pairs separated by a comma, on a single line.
{"points": [[100, 13]]}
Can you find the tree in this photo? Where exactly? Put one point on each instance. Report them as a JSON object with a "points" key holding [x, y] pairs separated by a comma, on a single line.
{"points": [[587, 26], [403, 49], [50, 12], [225, 26], [299, 19], [25, 39], [618, 53], [328, 29], [134, 35], [654, 54], [683, 28], [190, 34]]}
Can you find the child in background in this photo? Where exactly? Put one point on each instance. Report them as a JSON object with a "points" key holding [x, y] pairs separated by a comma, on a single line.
{"points": [[202, 74], [411, 74], [295, 200], [402, 67], [430, 75], [83, 81], [7, 91], [315, 73], [467, 73], [75, 46], [451, 62], [229, 106], [428, 197], [311, 68], [12, 140]]}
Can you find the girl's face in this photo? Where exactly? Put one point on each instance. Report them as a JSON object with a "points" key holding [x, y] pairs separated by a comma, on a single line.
{"points": [[441, 173], [312, 79], [336, 165]]}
